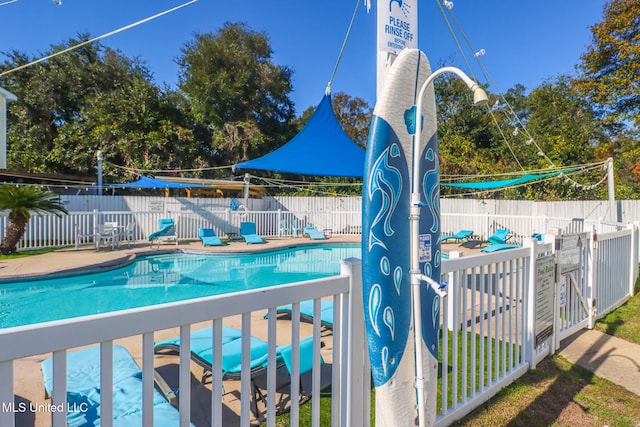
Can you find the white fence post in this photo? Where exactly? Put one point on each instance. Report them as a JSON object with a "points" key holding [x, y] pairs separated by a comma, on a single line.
{"points": [[453, 297], [633, 265], [531, 303], [358, 387], [592, 283]]}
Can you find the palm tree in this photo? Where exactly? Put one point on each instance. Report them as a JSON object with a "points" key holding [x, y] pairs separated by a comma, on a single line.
{"points": [[21, 201]]}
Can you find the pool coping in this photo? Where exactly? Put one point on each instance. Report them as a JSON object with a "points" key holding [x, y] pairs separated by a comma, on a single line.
{"points": [[71, 261]]}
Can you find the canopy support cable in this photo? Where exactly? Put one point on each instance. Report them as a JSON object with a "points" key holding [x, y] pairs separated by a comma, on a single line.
{"points": [[344, 43]]}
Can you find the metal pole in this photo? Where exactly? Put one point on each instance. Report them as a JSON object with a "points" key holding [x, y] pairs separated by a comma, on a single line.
{"points": [[99, 155], [414, 216], [246, 190]]}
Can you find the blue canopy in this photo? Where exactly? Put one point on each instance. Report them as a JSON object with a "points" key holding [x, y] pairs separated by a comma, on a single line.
{"points": [[321, 148], [146, 182]]}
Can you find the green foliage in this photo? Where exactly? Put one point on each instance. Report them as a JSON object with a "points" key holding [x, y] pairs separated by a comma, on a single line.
{"points": [[91, 99], [21, 202], [234, 88], [611, 65]]}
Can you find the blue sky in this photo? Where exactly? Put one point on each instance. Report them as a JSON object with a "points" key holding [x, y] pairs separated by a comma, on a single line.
{"points": [[525, 41]]}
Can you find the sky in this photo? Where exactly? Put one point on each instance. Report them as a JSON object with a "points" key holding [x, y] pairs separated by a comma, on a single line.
{"points": [[525, 41]]}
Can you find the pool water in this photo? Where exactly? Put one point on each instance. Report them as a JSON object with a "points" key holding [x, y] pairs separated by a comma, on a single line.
{"points": [[158, 279]]}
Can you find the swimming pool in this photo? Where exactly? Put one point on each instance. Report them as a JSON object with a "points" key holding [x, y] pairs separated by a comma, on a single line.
{"points": [[162, 278]]}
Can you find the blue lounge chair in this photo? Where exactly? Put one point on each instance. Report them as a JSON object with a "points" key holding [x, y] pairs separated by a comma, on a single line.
{"points": [[499, 241], [499, 247], [499, 237], [166, 231], [249, 234], [83, 390], [306, 312], [460, 235], [208, 237], [313, 233], [202, 354]]}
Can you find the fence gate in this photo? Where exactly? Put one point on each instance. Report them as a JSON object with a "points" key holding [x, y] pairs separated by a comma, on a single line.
{"points": [[573, 296]]}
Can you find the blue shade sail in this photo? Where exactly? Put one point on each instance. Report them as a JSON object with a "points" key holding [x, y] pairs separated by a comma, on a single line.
{"points": [[321, 148], [485, 185]]}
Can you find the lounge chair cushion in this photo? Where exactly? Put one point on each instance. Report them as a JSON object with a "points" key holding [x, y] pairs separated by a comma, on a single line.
{"points": [[314, 233], [166, 228], [208, 237], [83, 390], [248, 232], [500, 236], [500, 247], [306, 312]]}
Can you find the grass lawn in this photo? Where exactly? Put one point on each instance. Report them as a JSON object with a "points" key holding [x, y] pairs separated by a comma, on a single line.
{"points": [[556, 393], [25, 253], [623, 322]]}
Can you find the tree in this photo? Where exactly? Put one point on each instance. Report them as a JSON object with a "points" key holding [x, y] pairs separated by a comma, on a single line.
{"points": [[610, 67], [465, 133], [21, 202], [89, 99], [232, 83]]}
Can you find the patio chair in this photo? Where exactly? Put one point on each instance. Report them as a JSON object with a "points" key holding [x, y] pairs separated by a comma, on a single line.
{"points": [[166, 232], [306, 312], [128, 233], [284, 229], [295, 229], [202, 354], [249, 234], [314, 233], [208, 237], [459, 236], [106, 233], [81, 237], [83, 390]]}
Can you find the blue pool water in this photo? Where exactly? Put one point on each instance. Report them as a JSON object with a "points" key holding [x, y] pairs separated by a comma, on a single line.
{"points": [[158, 279]]}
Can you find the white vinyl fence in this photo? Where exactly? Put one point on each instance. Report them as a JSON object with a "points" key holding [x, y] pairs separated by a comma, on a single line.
{"points": [[273, 218], [506, 311]]}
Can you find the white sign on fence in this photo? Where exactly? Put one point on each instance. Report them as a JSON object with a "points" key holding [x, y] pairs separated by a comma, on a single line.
{"points": [[156, 206], [544, 298], [569, 253]]}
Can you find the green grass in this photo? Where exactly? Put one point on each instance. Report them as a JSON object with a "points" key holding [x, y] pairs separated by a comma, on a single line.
{"points": [[27, 252], [624, 322], [556, 393]]}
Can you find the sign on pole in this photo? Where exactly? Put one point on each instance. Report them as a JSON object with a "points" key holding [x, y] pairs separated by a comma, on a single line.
{"points": [[397, 29]]}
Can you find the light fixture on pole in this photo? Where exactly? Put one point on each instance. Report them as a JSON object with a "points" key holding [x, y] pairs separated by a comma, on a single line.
{"points": [[479, 98]]}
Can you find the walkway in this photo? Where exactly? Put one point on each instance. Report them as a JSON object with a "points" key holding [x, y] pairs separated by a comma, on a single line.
{"points": [[606, 356]]}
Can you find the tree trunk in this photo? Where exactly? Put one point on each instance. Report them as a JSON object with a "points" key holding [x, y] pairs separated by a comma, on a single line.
{"points": [[12, 235]]}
